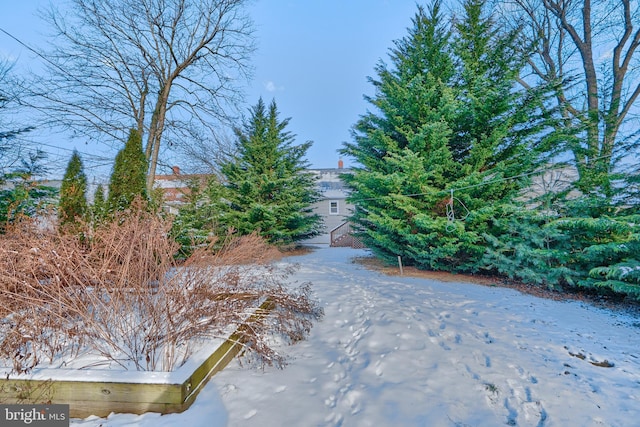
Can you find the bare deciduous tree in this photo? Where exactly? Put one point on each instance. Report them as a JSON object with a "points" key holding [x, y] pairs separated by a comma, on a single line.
{"points": [[11, 148], [205, 155], [590, 50], [162, 66]]}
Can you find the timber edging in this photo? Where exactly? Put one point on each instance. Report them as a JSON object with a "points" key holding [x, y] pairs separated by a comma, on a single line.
{"points": [[163, 392]]}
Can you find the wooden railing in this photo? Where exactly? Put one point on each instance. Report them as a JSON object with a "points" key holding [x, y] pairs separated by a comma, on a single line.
{"points": [[342, 236]]}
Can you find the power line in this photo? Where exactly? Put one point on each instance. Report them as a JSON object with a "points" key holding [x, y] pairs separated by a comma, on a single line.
{"points": [[40, 55], [96, 157]]}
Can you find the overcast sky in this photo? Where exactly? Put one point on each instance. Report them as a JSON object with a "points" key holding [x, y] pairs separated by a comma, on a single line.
{"points": [[313, 58]]}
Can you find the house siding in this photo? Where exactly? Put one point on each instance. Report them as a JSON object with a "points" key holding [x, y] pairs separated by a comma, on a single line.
{"points": [[333, 191], [328, 182]]}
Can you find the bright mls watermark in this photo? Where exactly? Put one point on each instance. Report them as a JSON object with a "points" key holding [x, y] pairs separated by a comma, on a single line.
{"points": [[34, 415]]}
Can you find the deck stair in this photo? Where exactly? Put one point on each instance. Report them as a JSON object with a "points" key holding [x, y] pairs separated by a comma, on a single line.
{"points": [[342, 236]]}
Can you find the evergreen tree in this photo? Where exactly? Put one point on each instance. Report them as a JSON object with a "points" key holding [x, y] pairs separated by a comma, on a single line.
{"points": [[491, 115], [99, 208], [401, 145], [128, 178], [73, 199], [266, 186], [203, 217], [448, 132], [21, 194]]}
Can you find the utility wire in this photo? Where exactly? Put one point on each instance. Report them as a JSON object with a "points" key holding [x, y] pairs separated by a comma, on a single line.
{"points": [[40, 55], [96, 157], [106, 160]]}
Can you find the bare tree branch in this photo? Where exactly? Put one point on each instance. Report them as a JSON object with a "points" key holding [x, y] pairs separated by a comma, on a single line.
{"points": [[117, 64], [588, 46]]}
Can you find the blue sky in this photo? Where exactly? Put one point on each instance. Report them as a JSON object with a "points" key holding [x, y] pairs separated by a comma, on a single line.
{"points": [[313, 58]]}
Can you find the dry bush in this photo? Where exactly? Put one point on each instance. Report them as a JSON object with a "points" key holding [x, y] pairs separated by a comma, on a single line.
{"points": [[241, 287], [118, 292]]}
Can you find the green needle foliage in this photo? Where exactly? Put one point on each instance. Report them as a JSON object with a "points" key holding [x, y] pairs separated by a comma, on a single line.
{"points": [[448, 115], [99, 208], [265, 188], [598, 254], [267, 185], [21, 195], [128, 178], [203, 216], [73, 200]]}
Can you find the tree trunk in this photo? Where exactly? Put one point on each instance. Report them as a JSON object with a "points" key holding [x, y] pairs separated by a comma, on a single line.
{"points": [[155, 134]]}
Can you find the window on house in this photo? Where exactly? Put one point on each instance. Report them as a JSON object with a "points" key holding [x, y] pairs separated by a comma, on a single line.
{"points": [[333, 208]]}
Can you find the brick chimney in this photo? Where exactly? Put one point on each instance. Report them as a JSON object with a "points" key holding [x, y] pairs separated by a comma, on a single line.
{"points": [[340, 164]]}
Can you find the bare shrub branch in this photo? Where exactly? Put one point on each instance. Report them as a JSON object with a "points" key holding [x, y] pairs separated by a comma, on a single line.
{"points": [[118, 292]]}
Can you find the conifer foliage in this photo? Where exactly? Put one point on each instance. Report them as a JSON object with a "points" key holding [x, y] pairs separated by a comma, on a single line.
{"points": [[128, 178], [264, 187], [268, 187], [447, 115], [21, 194], [99, 208], [73, 198], [446, 156]]}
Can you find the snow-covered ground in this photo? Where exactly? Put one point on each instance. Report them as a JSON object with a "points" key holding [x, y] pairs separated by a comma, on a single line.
{"points": [[400, 351]]}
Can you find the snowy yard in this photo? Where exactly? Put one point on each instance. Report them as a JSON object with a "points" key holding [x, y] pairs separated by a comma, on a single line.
{"points": [[401, 351]]}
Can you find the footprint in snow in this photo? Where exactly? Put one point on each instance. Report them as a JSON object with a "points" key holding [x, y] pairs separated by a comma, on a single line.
{"points": [[250, 414]]}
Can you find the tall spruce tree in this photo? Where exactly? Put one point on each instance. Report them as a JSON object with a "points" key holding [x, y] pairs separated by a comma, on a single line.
{"points": [[267, 186], [128, 178], [448, 132], [73, 193]]}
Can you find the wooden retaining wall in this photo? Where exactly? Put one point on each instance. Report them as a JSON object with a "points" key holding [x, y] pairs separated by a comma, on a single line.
{"points": [[87, 397]]}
